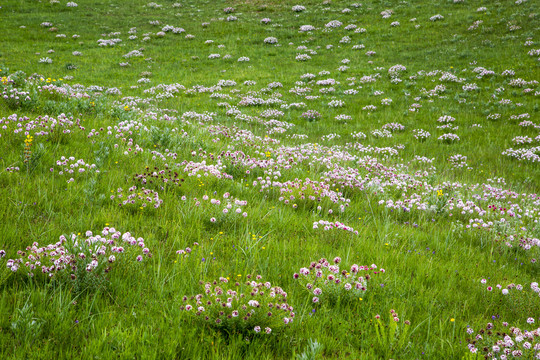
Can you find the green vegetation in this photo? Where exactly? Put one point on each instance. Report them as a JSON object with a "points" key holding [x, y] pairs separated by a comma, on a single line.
{"points": [[153, 152]]}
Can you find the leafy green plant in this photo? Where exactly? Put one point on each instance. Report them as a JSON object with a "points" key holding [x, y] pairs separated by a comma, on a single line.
{"points": [[393, 338]]}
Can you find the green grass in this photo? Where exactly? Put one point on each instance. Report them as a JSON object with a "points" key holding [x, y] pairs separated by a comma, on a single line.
{"points": [[433, 262]]}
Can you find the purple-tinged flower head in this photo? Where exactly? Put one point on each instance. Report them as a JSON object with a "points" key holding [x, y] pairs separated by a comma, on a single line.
{"points": [[505, 291], [268, 330], [317, 291], [483, 281], [315, 299], [139, 258], [377, 316], [295, 275], [2, 253], [489, 288], [530, 320], [257, 329], [354, 269]]}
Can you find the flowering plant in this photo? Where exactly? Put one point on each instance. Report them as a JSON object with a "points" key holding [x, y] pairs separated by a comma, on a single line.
{"points": [[505, 342], [327, 283], [84, 260], [250, 307]]}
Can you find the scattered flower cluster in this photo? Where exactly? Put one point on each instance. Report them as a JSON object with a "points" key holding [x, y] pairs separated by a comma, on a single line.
{"points": [[327, 284], [137, 198], [250, 306], [75, 254]]}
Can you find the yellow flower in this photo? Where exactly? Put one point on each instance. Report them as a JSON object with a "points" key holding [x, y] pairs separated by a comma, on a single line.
{"points": [[452, 319], [439, 193]]}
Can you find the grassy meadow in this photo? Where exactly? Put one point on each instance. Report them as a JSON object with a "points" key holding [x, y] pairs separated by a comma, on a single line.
{"points": [[269, 179]]}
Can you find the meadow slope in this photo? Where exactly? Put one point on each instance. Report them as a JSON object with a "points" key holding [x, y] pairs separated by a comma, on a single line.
{"points": [[269, 179]]}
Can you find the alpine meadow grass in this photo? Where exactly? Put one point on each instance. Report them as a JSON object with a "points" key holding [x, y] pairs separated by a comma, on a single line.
{"points": [[269, 179]]}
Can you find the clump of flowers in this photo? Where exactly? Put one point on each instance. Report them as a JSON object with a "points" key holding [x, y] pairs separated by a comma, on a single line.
{"points": [[336, 103], [303, 57], [329, 225], [85, 260], [504, 342], [229, 206], [139, 198], [325, 282], [159, 177], [421, 134], [250, 307], [448, 138], [311, 115], [70, 166], [271, 40]]}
